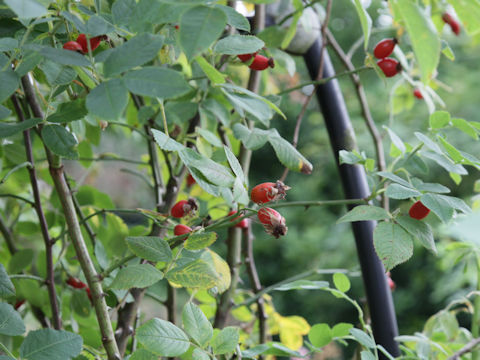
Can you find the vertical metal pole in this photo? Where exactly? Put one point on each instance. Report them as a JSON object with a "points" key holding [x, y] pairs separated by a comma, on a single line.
{"points": [[342, 137]]}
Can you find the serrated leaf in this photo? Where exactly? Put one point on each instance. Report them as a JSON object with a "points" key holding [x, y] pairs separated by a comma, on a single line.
{"points": [[289, 156], [11, 129], [364, 213], [196, 274], [156, 82], [238, 45], [97, 25], [341, 282], [200, 241], [397, 191], [234, 18], [320, 335], [215, 76], [108, 100], [6, 286], [11, 324], [135, 52], [49, 344], [60, 141], [162, 338], [225, 341], [136, 276], [64, 57], [439, 206], [69, 111], [27, 9], [419, 230], [423, 36], [196, 324], [446, 163], [165, 142], [234, 164], [142, 354], [151, 248], [362, 338], [393, 244], [9, 80], [365, 21], [200, 26]]}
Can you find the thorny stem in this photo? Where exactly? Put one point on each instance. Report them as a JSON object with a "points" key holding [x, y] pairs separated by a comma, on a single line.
{"points": [[296, 132], [469, 347], [362, 98], [57, 174], [50, 279]]}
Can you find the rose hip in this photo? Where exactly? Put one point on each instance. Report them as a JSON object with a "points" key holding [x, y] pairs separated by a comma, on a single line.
{"points": [[272, 221], [418, 211], [266, 192]]}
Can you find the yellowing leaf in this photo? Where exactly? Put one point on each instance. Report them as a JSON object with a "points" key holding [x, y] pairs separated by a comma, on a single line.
{"points": [[292, 329]]}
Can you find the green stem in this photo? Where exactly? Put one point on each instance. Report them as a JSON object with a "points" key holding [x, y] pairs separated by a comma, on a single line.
{"points": [[5, 349], [320, 203], [19, 198], [116, 265], [18, 167], [29, 277]]}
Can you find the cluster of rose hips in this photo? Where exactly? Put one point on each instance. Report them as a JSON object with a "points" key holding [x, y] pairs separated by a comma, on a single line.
{"points": [[77, 284], [272, 220], [259, 62], [382, 50], [181, 209], [454, 25], [80, 45]]}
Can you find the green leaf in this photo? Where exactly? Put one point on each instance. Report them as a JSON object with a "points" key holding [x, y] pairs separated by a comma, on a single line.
{"points": [[215, 76], [108, 100], [9, 81], [341, 281], [394, 178], [216, 173], [466, 127], [423, 36], [446, 163], [64, 57], [7, 130], [428, 143], [60, 141], [135, 52], [27, 9], [253, 139], [438, 205], [165, 142], [396, 140], [8, 44], [341, 329], [392, 244], [238, 45], [6, 286], [196, 274], [151, 248], [234, 18], [200, 26], [364, 213], [136, 276], [156, 82], [397, 191], [196, 324], [469, 13], [80, 303], [419, 230], [362, 338], [69, 111], [292, 27], [302, 285], [451, 150], [162, 338], [365, 21], [199, 354], [289, 156], [49, 344], [142, 354], [367, 355], [225, 341], [200, 241], [20, 260], [58, 74], [11, 323], [439, 119], [97, 25], [4, 112], [320, 335], [209, 136], [234, 164]]}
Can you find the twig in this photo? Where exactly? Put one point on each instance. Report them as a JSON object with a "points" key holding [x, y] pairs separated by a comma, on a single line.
{"points": [[466, 349], [56, 172], [7, 235], [296, 132], [15, 168], [255, 284], [30, 202], [362, 98], [50, 279], [25, 276], [319, 203]]}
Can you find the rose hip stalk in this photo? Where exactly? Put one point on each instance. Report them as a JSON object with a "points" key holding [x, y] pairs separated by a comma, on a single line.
{"points": [[418, 211], [272, 221], [266, 192], [242, 224], [184, 208], [384, 48]]}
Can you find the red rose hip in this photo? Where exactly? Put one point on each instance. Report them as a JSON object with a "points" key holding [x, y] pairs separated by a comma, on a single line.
{"points": [[272, 221], [454, 25], [76, 283], [418, 211], [181, 230], [384, 48], [261, 62], [73, 46], [266, 192], [183, 208], [190, 180], [418, 94], [245, 57], [94, 42], [389, 66]]}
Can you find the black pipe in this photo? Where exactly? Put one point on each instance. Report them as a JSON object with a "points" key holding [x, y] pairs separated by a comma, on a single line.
{"points": [[354, 180]]}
